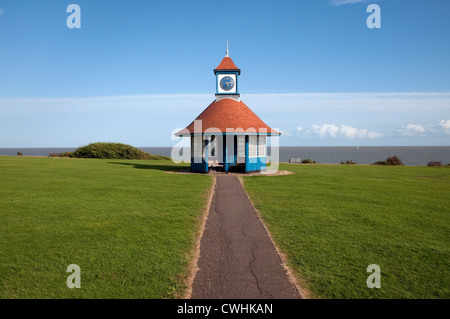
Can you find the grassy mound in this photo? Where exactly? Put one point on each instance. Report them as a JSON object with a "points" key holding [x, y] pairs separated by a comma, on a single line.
{"points": [[113, 151]]}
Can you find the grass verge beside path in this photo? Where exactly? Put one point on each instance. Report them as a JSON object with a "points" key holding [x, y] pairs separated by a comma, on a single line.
{"points": [[129, 225], [332, 221]]}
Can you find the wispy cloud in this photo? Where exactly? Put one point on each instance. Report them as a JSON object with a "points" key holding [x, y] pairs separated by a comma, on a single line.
{"points": [[414, 130], [342, 131], [285, 133], [445, 125], [1, 11], [415, 127], [342, 2]]}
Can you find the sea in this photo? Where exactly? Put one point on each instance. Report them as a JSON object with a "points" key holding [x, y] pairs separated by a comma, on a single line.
{"points": [[410, 155]]}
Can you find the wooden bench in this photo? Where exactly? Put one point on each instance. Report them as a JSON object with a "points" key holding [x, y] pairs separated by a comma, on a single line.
{"points": [[434, 163]]}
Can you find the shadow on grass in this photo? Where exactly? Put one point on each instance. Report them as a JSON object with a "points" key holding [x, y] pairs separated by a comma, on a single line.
{"points": [[166, 168]]}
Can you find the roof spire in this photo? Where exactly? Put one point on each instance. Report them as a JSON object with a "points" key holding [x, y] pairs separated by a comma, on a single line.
{"points": [[227, 49]]}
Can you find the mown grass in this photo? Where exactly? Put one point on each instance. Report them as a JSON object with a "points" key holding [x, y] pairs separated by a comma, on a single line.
{"points": [[332, 221], [129, 225]]}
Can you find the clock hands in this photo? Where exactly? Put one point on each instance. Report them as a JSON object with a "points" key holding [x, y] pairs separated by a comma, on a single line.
{"points": [[227, 83]]}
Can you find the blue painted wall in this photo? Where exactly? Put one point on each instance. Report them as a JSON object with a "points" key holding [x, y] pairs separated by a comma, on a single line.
{"points": [[252, 164]]}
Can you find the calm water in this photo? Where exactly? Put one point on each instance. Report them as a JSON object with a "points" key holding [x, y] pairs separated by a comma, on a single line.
{"points": [[410, 155]]}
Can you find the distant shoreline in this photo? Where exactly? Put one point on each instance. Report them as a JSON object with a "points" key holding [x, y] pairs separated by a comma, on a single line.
{"points": [[410, 155]]}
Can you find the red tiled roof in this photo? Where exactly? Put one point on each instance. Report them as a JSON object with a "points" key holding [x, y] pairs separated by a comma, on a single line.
{"points": [[228, 114], [227, 64]]}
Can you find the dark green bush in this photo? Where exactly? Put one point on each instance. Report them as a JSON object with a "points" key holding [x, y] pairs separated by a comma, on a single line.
{"points": [[381, 163], [19, 154], [108, 151], [158, 157], [65, 154], [114, 151], [307, 161], [348, 162], [393, 160]]}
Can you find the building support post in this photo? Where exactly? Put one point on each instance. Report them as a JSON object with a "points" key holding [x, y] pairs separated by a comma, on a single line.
{"points": [[205, 156], [192, 154], [247, 166], [225, 151]]}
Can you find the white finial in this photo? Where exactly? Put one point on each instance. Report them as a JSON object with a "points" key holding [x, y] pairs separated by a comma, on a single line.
{"points": [[227, 48]]}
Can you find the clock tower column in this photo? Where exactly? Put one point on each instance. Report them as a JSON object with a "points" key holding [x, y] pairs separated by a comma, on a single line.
{"points": [[227, 74]]}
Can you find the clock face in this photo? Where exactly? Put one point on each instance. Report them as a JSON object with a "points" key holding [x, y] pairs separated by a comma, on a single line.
{"points": [[227, 83]]}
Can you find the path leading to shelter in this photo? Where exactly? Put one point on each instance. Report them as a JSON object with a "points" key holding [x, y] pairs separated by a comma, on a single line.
{"points": [[237, 257]]}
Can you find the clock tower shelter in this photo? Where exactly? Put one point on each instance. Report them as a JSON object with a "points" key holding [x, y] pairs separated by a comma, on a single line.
{"points": [[227, 135]]}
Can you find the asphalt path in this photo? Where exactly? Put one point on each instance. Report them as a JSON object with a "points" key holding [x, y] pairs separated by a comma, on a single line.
{"points": [[237, 258]]}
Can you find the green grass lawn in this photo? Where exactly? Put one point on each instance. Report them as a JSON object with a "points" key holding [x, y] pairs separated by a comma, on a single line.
{"points": [[129, 225], [332, 221]]}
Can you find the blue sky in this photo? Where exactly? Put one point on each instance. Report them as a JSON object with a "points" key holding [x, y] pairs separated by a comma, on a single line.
{"points": [[137, 70]]}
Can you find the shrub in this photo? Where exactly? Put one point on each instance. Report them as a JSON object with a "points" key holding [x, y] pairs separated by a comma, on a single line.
{"points": [[393, 160], [348, 162], [307, 161], [108, 151], [19, 154], [147, 156], [113, 151], [65, 154], [381, 163]]}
